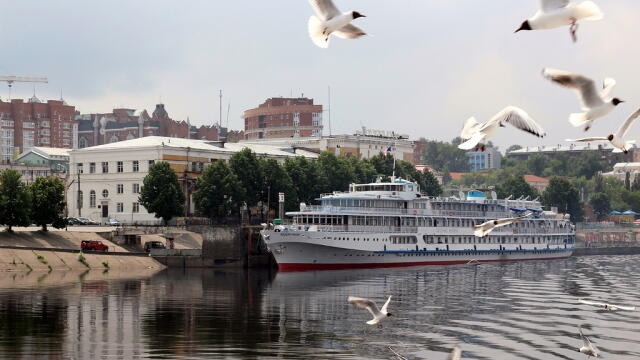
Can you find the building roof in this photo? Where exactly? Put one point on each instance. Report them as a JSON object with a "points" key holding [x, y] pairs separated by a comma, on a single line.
{"points": [[627, 165], [171, 142], [48, 153], [534, 178], [568, 147]]}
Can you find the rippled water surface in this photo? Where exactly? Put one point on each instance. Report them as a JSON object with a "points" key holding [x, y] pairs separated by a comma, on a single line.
{"points": [[526, 310]]}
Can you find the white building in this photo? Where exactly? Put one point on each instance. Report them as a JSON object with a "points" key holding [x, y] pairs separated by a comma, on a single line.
{"points": [[105, 180], [364, 144], [620, 170]]}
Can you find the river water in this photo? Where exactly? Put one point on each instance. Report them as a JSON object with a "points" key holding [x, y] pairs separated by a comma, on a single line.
{"points": [[526, 310]]}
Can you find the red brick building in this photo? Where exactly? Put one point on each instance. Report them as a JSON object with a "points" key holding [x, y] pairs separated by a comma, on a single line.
{"points": [[283, 118], [126, 124], [35, 123]]}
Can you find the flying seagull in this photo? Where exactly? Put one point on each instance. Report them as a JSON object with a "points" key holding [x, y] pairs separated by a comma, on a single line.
{"points": [[607, 306], [596, 104], [587, 348], [475, 133], [455, 354], [557, 13], [330, 20], [485, 228], [378, 315], [617, 139]]}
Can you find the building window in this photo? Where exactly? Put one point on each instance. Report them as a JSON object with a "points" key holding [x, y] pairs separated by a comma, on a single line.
{"points": [[27, 125], [136, 165], [120, 166], [120, 188], [136, 207], [44, 140], [151, 162], [92, 168], [80, 168], [83, 143], [92, 199], [80, 200], [8, 123], [119, 207], [105, 193], [44, 124], [105, 167], [136, 188], [113, 139], [66, 133]]}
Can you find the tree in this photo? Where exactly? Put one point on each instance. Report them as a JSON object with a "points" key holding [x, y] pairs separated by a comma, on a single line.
{"points": [[309, 179], [47, 202], [337, 171], [439, 154], [601, 205], [15, 203], [218, 191], [537, 164], [446, 176], [515, 186], [276, 180], [161, 193], [429, 184], [513, 148], [246, 165], [635, 186], [365, 171], [563, 195]]}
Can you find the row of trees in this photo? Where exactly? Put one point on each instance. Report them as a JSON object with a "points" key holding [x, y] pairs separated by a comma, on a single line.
{"points": [[249, 179], [41, 203]]}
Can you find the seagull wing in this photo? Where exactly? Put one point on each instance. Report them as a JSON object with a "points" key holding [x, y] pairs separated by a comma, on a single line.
{"points": [[518, 118], [325, 9], [588, 139], [398, 356], [608, 85], [470, 127], [503, 222], [349, 31], [628, 308], [548, 5], [585, 87], [473, 141], [627, 124], [587, 302], [363, 303], [587, 343], [483, 229], [384, 307], [455, 354]]}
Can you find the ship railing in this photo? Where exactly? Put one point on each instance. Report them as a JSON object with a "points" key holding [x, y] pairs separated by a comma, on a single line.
{"points": [[395, 211]]}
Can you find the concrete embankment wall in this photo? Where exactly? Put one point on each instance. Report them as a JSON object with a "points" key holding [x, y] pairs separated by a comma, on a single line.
{"points": [[622, 250]]}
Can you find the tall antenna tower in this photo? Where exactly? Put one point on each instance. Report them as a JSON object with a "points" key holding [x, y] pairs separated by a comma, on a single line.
{"points": [[220, 118], [329, 110]]}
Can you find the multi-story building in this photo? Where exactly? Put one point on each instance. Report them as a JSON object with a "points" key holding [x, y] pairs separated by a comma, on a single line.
{"points": [[126, 124], [481, 160], [35, 123], [283, 118], [620, 171], [571, 150], [108, 177], [29, 173], [57, 159], [364, 144]]}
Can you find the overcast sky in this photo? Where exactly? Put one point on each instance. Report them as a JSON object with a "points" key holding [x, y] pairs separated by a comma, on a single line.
{"points": [[429, 65]]}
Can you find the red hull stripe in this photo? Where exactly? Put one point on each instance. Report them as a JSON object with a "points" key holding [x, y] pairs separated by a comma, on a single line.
{"points": [[306, 267]]}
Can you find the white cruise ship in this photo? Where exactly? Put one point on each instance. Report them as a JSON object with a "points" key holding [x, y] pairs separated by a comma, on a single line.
{"points": [[386, 224]]}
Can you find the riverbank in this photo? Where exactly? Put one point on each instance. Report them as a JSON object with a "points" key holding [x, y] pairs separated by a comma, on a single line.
{"points": [[27, 251], [612, 250]]}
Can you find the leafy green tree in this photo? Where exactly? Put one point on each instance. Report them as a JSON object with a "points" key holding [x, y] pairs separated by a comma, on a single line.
{"points": [[588, 165], [337, 171], [429, 184], [382, 163], [276, 181], [562, 194], [537, 164], [446, 176], [439, 154], [513, 148], [364, 170], [15, 202], [601, 205], [161, 193], [247, 167], [308, 179], [635, 186], [218, 191], [47, 202], [516, 186]]}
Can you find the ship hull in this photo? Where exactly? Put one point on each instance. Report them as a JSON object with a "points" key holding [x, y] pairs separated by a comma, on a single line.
{"points": [[305, 257]]}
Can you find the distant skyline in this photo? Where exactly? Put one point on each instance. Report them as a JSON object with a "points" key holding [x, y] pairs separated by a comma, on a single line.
{"points": [[428, 66]]}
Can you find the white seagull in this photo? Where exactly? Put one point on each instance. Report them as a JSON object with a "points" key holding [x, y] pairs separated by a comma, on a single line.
{"points": [[378, 315], [617, 139], [596, 104], [485, 228], [331, 21], [587, 348], [475, 133], [607, 306], [557, 13]]}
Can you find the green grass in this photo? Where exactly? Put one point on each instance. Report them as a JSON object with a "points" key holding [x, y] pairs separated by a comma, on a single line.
{"points": [[42, 259], [105, 264], [83, 260]]}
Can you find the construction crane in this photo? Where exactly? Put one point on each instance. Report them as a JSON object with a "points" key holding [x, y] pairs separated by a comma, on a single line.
{"points": [[11, 79]]}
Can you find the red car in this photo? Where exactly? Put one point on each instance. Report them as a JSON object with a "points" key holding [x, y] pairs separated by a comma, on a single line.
{"points": [[93, 245]]}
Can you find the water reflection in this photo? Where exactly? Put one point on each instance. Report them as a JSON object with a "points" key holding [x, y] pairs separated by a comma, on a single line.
{"points": [[523, 310]]}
